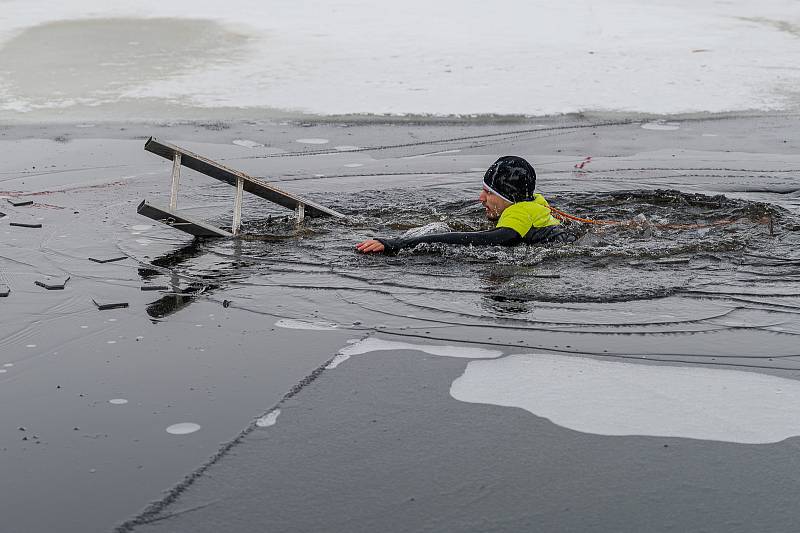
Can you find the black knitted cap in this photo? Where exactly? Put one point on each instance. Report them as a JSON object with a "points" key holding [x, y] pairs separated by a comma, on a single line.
{"points": [[511, 178]]}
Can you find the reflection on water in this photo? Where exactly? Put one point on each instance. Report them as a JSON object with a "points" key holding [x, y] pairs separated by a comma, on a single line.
{"points": [[175, 301], [183, 292]]}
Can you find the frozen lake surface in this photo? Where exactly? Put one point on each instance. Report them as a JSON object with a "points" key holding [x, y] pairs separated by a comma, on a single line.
{"points": [[249, 336], [181, 59]]}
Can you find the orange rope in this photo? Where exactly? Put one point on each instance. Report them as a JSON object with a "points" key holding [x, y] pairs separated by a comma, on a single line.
{"points": [[566, 216], [561, 215]]}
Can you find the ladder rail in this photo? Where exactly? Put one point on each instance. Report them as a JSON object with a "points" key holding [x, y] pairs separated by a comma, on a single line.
{"points": [[231, 176]]}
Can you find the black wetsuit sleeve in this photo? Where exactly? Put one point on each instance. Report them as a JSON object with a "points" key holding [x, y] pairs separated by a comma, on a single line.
{"points": [[493, 237]]}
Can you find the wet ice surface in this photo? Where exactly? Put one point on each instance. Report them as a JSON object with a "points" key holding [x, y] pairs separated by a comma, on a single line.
{"points": [[701, 281]]}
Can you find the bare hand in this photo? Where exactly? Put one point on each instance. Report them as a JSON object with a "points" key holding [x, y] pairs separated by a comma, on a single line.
{"points": [[370, 246]]}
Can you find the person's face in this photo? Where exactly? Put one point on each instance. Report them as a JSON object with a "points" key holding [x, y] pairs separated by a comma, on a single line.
{"points": [[493, 204]]}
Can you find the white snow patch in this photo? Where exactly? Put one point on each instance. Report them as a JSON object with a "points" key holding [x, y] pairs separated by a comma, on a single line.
{"points": [[362, 56], [313, 141], [621, 398], [440, 63], [118, 401], [453, 151], [183, 428], [268, 419], [372, 344], [247, 143], [289, 323], [660, 125]]}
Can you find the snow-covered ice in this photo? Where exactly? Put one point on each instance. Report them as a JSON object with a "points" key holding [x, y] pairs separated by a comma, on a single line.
{"points": [[357, 56]]}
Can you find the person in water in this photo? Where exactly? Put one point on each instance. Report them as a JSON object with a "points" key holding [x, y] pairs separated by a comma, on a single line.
{"points": [[508, 197]]}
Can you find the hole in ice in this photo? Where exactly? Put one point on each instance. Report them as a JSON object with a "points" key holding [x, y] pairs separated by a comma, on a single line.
{"points": [[269, 419], [184, 428], [118, 401], [621, 398], [313, 141]]}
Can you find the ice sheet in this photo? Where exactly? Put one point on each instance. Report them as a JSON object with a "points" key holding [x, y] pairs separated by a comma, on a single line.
{"points": [[447, 57]]}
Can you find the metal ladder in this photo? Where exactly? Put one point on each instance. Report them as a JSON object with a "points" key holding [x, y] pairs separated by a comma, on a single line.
{"points": [[243, 183]]}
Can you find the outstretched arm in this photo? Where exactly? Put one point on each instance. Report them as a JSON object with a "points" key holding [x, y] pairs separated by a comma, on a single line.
{"points": [[493, 237]]}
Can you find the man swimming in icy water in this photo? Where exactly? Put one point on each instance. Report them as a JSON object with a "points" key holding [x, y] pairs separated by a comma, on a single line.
{"points": [[508, 197]]}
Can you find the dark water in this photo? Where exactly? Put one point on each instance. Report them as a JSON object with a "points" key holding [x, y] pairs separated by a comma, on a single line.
{"points": [[669, 243], [688, 277]]}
